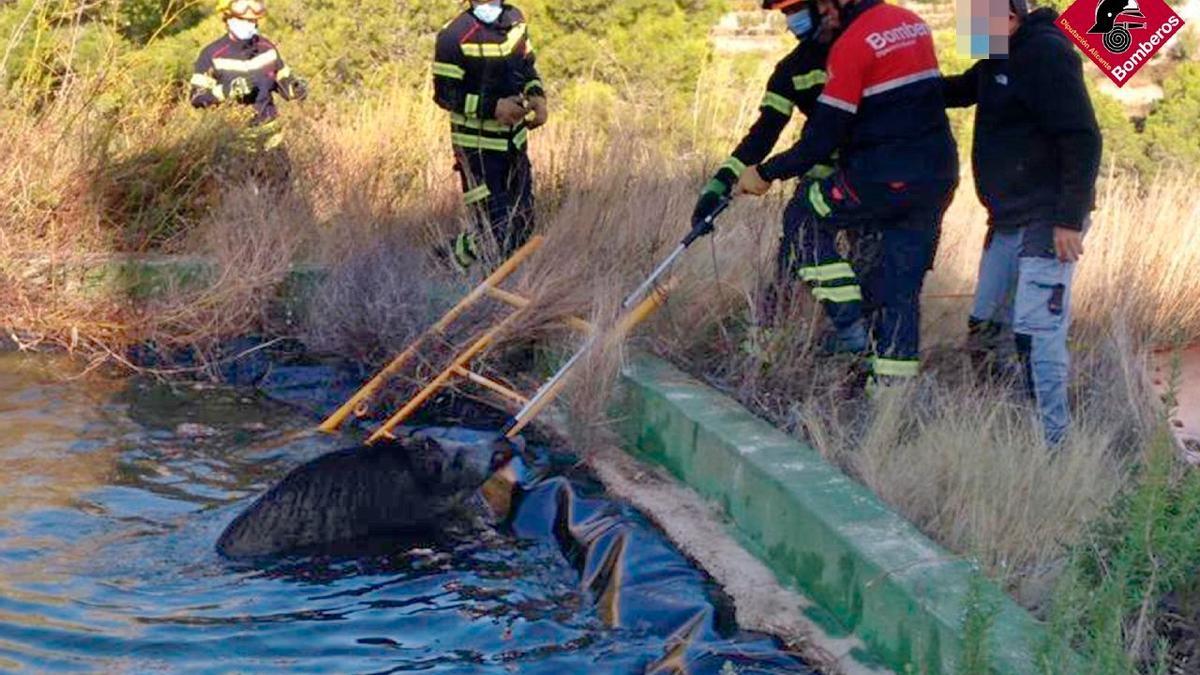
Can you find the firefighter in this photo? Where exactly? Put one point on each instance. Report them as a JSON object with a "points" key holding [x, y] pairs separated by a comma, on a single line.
{"points": [[882, 111], [1036, 157], [794, 86], [484, 76], [244, 67]]}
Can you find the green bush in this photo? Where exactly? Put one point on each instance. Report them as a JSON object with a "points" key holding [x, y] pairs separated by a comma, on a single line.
{"points": [[1172, 128]]}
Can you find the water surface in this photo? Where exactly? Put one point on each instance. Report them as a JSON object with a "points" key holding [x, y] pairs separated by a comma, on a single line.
{"points": [[113, 490]]}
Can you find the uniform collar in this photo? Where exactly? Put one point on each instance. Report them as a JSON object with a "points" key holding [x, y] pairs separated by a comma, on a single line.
{"points": [[858, 9], [242, 43], [1038, 20]]}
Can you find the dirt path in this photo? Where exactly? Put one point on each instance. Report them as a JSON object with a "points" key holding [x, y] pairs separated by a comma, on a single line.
{"points": [[1186, 420]]}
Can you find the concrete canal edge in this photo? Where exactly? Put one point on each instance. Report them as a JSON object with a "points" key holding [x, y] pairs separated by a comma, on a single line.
{"points": [[872, 572]]}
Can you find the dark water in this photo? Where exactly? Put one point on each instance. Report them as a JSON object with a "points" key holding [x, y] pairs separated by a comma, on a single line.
{"points": [[112, 492]]}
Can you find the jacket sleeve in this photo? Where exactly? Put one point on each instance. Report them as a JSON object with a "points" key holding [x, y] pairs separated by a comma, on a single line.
{"points": [[285, 79], [1063, 108], [829, 125], [450, 87], [774, 113], [961, 91], [532, 85], [206, 91]]}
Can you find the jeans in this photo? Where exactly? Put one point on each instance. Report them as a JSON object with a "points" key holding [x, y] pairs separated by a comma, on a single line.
{"points": [[1023, 286]]}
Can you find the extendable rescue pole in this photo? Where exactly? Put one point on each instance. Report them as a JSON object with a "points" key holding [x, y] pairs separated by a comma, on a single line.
{"points": [[639, 313]]}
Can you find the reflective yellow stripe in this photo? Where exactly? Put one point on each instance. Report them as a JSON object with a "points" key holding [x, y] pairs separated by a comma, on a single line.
{"points": [[820, 171], [520, 138], [274, 140], [820, 206], [476, 195], [735, 165], [448, 70], [284, 73], [828, 272], [716, 187], [476, 123], [464, 250], [895, 367], [479, 142], [777, 103], [532, 84], [494, 50], [237, 66], [810, 79], [203, 81], [471, 106], [838, 294]]}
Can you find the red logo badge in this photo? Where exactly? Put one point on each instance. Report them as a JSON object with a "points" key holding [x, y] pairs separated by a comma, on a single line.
{"points": [[1120, 36]]}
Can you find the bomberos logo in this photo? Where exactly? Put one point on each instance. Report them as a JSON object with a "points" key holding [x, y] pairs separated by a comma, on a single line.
{"points": [[905, 32], [1124, 34]]}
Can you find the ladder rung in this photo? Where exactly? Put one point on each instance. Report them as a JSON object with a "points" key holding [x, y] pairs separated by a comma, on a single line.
{"points": [[491, 384], [518, 301], [521, 302]]}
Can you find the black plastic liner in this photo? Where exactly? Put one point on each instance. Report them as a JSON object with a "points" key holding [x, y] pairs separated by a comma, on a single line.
{"points": [[640, 584]]}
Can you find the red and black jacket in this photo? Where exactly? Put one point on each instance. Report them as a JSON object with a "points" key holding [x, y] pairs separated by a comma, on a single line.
{"points": [[881, 108], [794, 85], [227, 59], [476, 65]]}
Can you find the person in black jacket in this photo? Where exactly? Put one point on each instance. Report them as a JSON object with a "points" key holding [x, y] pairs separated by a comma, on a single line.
{"points": [[794, 86], [1036, 158], [243, 66], [484, 76]]}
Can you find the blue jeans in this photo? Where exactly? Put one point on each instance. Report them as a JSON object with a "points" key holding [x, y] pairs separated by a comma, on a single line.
{"points": [[1023, 286]]}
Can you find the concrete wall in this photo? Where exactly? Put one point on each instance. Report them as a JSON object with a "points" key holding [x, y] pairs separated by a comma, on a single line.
{"points": [[832, 539]]}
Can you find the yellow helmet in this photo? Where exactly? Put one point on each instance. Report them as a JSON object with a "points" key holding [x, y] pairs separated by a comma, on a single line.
{"points": [[250, 10]]}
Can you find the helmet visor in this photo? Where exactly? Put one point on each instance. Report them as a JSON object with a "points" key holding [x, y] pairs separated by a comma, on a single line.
{"points": [[251, 10]]}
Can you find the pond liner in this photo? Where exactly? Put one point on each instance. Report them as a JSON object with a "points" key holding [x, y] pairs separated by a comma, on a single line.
{"points": [[640, 583]]}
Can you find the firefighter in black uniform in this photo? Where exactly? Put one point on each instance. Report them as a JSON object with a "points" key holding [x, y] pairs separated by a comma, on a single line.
{"points": [[484, 76], [244, 67], [794, 85]]}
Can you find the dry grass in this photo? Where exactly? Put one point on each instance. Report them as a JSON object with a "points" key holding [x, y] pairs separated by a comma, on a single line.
{"points": [[373, 189], [962, 459]]}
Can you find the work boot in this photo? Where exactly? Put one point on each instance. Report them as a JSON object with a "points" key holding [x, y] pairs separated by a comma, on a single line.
{"points": [[990, 350], [458, 251]]}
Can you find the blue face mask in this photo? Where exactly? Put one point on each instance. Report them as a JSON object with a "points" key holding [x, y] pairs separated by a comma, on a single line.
{"points": [[800, 23], [488, 13]]}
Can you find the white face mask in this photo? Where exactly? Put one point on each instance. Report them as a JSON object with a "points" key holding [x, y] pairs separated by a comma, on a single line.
{"points": [[488, 13], [242, 29]]}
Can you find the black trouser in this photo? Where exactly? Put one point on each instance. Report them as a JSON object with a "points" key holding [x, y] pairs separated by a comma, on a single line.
{"points": [[498, 192], [896, 226]]}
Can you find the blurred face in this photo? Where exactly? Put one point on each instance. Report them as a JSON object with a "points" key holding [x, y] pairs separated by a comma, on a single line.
{"points": [[830, 20]]}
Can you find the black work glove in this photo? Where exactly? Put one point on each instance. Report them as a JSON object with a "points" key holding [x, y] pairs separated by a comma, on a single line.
{"points": [[294, 89], [706, 206]]}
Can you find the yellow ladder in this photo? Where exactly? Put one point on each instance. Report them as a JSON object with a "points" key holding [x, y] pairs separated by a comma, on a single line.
{"points": [[359, 403]]}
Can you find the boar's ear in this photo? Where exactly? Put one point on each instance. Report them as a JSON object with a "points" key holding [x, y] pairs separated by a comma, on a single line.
{"points": [[428, 459]]}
